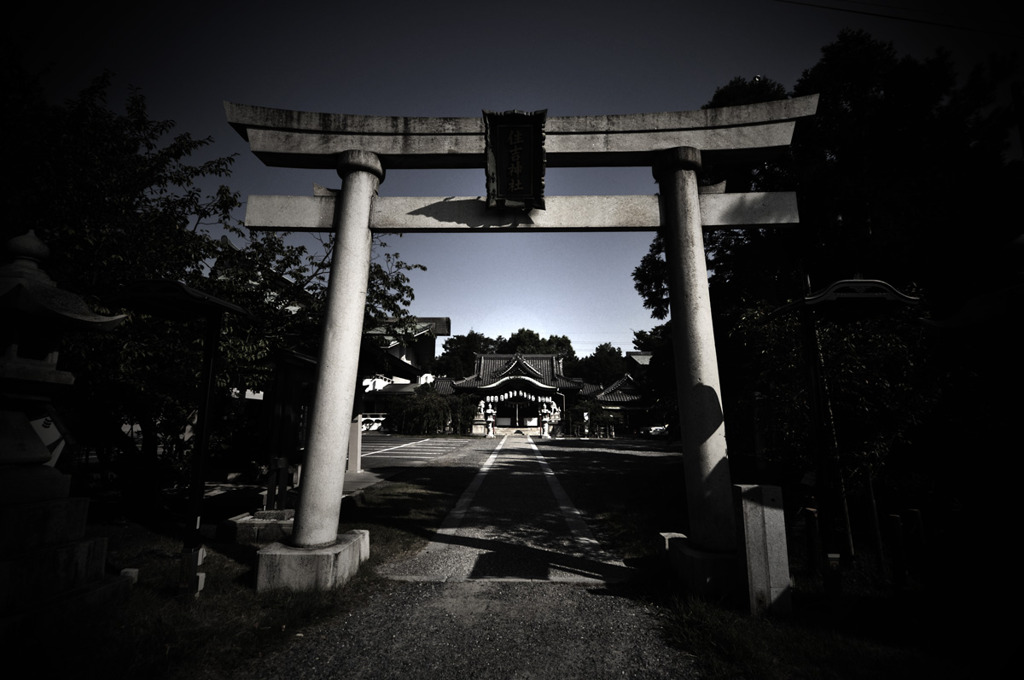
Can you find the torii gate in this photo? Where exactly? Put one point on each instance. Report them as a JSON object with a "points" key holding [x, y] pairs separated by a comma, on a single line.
{"points": [[674, 145]]}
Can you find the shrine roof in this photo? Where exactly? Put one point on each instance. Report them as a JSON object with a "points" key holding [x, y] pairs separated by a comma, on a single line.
{"points": [[444, 386], [622, 391], [544, 370], [641, 358], [416, 326]]}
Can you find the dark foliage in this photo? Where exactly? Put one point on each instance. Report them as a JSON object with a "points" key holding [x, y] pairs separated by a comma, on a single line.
{"points": [[903, 176], [120, 198]]}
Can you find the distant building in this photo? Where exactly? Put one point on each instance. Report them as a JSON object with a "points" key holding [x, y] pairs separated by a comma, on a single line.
{"points": [[520, 391], [407, 352], [624, 405], [416, 342], [518, 387]]}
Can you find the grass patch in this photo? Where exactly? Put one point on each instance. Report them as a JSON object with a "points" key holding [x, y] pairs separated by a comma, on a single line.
{"points": [[728, 645]]}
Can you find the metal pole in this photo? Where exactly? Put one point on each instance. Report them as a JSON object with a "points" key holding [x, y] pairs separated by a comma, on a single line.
{"points": [[192, 550]]}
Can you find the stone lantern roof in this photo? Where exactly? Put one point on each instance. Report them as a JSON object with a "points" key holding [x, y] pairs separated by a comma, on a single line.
{"points": [[27, 289], [35, 312]]}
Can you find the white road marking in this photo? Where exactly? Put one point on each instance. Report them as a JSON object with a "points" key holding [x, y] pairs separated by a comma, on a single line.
{"points": [[423, 448], [454, 519], [572, 515], [448, 558], [400, 446], [573, 518]]}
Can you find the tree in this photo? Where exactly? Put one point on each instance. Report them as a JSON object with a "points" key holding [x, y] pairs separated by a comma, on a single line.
{"points": [[888, 174], [603, 367], [660, 377], [457, 359], [891, 167], [463, 413], [526, 341], [423, 412], [885, 172], [120, 198]]}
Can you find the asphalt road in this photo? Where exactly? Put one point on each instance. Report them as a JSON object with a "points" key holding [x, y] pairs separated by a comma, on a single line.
{"points": [[514, 522], [385, 451]]}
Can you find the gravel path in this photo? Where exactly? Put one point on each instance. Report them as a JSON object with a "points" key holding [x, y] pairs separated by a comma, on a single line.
{"points": [[514, 585]]}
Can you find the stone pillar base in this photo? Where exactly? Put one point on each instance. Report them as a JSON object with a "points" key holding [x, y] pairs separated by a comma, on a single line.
{"points": [[285, 567], [708, 575]]}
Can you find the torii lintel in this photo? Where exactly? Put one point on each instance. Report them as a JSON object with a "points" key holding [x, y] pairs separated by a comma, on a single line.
{"points": [[299, 139], [452, 214]]}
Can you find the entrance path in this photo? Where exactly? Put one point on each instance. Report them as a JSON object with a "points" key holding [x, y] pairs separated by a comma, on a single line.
{"points": [[513, 522], [514, 585]]}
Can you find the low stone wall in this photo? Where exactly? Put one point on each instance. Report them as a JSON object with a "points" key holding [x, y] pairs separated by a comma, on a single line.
{"points": [[259, 528]]}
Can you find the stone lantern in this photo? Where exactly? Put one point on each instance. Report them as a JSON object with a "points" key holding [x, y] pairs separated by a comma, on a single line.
{"points": [[490, 413], [545, 419], [45, 554]]}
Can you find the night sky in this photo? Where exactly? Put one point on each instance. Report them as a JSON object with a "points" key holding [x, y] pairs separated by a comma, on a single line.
{"points": [[455, 59]]}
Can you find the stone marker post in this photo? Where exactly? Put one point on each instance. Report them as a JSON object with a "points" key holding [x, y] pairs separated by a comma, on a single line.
{"points": [[316, 519], [765, 560], [706, 466]]}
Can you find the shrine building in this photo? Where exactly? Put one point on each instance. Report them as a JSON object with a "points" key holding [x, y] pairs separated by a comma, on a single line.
{"points": [[518, 391], [530, 393]]}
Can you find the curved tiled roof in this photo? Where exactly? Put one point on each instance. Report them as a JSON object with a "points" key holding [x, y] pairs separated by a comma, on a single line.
{"points": [[542, 370], [622, 391], [444, 386]]}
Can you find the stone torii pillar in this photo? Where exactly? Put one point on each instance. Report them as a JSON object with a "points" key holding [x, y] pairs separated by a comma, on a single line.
{"points": [[702, 424], [317, 558], [317, 517]]}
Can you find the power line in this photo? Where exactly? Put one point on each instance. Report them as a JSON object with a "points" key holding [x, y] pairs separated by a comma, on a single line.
{"points": [[897, 17]]}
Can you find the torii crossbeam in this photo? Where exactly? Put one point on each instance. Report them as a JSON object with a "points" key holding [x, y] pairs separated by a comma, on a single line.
{"points": [[674, 145]]}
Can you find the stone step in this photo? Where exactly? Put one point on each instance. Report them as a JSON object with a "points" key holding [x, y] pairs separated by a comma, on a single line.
{"points": [[512, 431]]}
